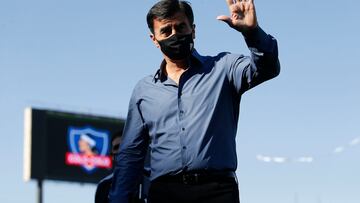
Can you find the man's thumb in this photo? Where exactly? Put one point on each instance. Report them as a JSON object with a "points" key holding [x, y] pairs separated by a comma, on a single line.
{"points": [[226, 19]]}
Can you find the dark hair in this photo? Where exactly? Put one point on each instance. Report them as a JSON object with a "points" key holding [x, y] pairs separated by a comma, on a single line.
{"points": [[165, 9], [116, 134]]}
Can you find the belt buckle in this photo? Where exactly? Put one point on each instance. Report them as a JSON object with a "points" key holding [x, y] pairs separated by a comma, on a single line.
{"points": [[190, 178]]}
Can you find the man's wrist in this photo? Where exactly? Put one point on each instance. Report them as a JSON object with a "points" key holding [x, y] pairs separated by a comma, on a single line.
{"points": [[252, 32]]}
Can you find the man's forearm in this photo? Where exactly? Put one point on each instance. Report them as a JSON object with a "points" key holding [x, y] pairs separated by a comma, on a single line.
{"points": [[264, 52], [127, 176]]}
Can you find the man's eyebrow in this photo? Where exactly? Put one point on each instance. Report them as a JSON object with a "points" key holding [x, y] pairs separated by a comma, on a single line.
{"points": [[180, 24], [164, 28]]}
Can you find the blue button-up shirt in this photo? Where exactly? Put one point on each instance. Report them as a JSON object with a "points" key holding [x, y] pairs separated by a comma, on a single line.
{"points": [[192, 125]]}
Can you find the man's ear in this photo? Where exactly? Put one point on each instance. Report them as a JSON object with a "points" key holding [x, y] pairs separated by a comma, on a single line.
{"points": [[193, 31], [152, 37]]}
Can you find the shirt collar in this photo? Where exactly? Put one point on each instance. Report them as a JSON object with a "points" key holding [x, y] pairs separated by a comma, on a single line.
{"points": [[195, 59]]}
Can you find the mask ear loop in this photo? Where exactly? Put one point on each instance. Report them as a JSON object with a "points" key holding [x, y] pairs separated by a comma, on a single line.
{"points": [[192, 46], [193, 31]]}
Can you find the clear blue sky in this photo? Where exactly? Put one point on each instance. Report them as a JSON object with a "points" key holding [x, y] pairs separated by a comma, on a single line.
{"points": [[87, 56]]}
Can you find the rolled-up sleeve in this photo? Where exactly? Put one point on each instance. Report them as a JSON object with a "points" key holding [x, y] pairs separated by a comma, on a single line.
{"points": [[263, 64], [129, 162]]}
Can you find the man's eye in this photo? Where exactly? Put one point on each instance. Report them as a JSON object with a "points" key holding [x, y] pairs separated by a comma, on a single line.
{"points": [[165, 31], [181, 28]]}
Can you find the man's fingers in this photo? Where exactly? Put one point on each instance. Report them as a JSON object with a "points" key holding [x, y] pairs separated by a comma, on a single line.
{"points": [[248, 1], [229, 2], [226, 19], [245, 1]]}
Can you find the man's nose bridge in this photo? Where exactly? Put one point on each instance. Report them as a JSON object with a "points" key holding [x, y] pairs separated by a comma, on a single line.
{"points": [[173, 30]]}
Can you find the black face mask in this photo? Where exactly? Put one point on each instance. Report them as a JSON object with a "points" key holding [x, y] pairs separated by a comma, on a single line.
{"points": [[177, 47]]}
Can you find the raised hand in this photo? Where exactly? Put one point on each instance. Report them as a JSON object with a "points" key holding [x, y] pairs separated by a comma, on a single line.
{"points": [[242, 15]]}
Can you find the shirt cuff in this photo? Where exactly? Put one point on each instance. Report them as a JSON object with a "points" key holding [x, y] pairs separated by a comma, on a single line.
{"points": [[258, 39]]}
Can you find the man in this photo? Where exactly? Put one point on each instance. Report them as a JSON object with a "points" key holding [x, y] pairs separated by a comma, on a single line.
{"points": [[103, 188], [188, 111]]}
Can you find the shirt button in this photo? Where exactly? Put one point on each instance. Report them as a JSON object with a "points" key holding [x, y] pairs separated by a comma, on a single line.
{"points": [[183, 129], [184, 147]]}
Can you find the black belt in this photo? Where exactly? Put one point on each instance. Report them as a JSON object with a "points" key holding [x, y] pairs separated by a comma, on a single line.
{"points": [[193, 178]]}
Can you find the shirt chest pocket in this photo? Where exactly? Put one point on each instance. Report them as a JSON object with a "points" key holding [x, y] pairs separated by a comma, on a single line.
{"points": [[159, 112]]}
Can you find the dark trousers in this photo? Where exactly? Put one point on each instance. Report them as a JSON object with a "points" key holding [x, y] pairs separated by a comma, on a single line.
{"points": [[224, 191]]}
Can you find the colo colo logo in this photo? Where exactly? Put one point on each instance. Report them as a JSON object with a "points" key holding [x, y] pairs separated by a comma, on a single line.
{"points": [[88, 148]]}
